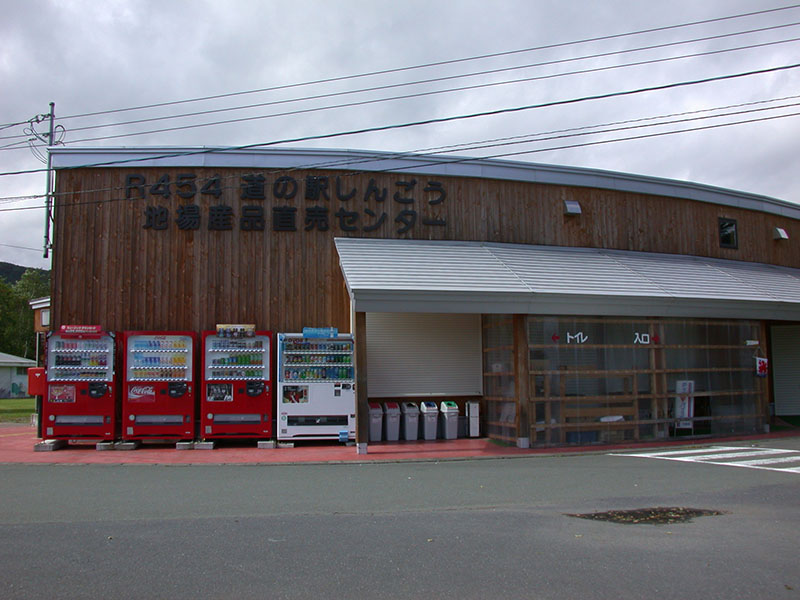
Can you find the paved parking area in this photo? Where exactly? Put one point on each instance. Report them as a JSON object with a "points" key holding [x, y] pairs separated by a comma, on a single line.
{"points": [[17, 446]]}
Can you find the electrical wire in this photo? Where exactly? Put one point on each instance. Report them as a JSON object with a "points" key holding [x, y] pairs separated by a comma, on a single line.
{"points": [[499, 142], [435, 80], [21, 247], [425, 94], [430, 121], [525, 138], [441, 63]]}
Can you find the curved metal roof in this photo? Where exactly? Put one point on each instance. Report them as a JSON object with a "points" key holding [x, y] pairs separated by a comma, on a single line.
{"points": [[441, 165], [483, 277]]}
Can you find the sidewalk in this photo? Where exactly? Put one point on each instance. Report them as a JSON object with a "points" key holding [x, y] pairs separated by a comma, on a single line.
{"points": [[17, 442]]}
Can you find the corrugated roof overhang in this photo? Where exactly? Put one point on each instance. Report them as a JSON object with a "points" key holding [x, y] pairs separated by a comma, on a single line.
{"points": [[482, 277]]}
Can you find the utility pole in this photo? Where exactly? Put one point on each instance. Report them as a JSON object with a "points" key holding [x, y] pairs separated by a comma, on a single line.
{"points": [[48, 197]]}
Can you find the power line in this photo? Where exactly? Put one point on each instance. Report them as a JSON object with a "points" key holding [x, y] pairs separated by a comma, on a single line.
{"points": [[22, 247], [525, 138], [442, 63], [427, 121], [430, 93], [434, 80], [514, 140]]}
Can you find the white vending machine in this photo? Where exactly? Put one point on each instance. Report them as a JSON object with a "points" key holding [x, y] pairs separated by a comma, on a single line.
{"points": [[316, 386]]}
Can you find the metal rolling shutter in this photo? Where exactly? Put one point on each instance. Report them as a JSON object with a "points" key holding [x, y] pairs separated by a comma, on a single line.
{"points": [[417, 354], [786, 369]]}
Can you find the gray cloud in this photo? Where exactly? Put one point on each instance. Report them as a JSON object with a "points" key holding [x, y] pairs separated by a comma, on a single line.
{"points": [[88, 56]]}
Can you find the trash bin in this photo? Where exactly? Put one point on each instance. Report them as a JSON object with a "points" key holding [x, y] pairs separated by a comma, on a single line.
{"points": [[428, 418], [391, 421], [473, 419], [375, 422], [449, 412], [410, 420]]}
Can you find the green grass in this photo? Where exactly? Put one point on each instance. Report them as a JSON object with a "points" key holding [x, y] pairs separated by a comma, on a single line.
{"points": [[16, 410]]}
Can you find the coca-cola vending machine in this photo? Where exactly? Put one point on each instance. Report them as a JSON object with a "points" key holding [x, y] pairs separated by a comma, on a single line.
{"points": [[236, 399], [81, 395], [158, 396]]}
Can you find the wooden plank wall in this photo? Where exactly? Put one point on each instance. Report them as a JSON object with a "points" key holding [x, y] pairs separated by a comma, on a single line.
{"points": [[109, 270]]}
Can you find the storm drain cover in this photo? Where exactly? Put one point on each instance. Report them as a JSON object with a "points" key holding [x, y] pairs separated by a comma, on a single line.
{"points": [[659, 515]]}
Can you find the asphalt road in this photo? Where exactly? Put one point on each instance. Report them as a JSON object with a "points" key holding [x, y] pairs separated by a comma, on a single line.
{"points": [[452, 529]]}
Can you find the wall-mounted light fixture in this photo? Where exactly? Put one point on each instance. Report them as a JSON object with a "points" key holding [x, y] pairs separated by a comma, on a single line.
{"points": [[572, 207], [779, 233]]}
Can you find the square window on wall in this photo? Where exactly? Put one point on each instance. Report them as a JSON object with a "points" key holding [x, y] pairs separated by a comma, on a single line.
{"points": [[728, 237]]}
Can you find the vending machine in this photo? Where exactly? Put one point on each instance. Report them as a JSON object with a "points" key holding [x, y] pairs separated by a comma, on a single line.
{"points": [[236, 399], [316, 386], [158, 396], [81, 395]]}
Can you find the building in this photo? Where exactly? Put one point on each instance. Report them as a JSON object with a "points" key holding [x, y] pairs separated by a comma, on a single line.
{"points": [[575, 305], [14, 375], [41, 324]]}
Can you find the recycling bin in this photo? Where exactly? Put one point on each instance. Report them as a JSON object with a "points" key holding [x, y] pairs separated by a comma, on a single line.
{"points": [[473, 419], [410, 420], [449, 417], [428, 418], [375, 422], [391, 421]]}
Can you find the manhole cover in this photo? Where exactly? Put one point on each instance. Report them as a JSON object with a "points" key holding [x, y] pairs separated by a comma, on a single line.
{"points": [[659, 515]]}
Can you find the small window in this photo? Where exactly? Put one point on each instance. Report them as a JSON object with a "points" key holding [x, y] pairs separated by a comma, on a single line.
{"points": [[727, 233], [45, 317], [22, 370]]}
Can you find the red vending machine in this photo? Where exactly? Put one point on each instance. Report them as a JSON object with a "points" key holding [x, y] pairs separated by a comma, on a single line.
{"points": [[81, 395], [158, 396], [237, 392]]}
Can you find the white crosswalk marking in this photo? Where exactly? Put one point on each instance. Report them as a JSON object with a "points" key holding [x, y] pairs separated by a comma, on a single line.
{"points": [[770, 459]]}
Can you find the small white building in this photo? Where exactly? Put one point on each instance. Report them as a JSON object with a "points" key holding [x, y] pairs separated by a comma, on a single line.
{"points": [[14, 375]]}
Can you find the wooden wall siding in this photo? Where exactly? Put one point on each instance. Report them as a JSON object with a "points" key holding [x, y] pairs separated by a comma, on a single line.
{"points": [[111, 271]]}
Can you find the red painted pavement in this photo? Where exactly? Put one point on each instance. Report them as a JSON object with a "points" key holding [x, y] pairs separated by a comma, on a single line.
{"points": [[17, 443]]}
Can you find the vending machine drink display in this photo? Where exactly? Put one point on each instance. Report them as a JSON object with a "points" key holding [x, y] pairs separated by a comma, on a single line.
{"points": [[236, 387], [81, 395], [158, 396], [316, 387]]}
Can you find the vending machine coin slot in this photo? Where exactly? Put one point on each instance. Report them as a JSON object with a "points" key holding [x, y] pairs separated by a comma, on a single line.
{"points": [[97, 390], [255, 388], [176, 389]]}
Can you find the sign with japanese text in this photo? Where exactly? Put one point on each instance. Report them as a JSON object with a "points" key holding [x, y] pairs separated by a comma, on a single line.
{"points": [[312, 203], [80, 330], [762, 366], [320, 332]]}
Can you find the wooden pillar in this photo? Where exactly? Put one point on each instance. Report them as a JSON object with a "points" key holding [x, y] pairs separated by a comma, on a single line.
{"points": [[522, 380], [362, 396]]}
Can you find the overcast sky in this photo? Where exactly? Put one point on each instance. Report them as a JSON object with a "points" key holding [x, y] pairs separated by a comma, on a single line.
{"points": [[92, 55]]}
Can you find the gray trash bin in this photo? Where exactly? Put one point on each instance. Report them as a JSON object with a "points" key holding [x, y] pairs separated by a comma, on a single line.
{"points": [[410, 420], [391, 421], [449, 412], [375, 422], [428, 418]]}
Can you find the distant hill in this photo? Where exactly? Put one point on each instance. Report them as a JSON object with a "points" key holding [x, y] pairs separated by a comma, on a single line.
{"points": [[12, 273]]}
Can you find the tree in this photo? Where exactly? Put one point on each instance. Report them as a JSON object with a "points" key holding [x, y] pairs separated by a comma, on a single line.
{"points": [[12, 322], [16, 316], [34, 283]]}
